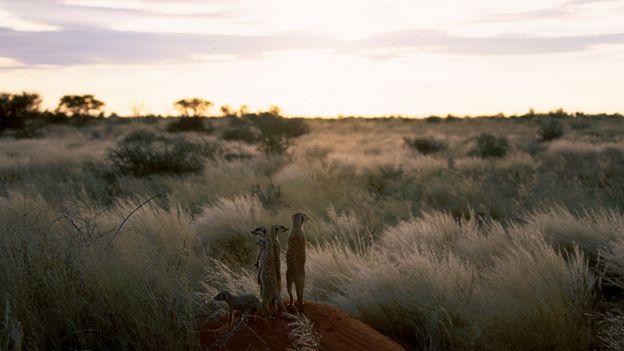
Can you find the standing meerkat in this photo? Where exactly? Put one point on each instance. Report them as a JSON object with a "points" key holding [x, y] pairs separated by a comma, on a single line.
{"points": [[271, 299], [246, 304], [295, 259], [262, 232], [275, 230]]}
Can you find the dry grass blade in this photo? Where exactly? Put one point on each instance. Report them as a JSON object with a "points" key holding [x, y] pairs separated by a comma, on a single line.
{"points": [[302, 333]]}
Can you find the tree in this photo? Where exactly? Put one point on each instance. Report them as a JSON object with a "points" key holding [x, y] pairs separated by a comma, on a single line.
{"points": [[226, 110], [80, 105], [192, 107], [243, 110], [275, 110], [15, 108]]}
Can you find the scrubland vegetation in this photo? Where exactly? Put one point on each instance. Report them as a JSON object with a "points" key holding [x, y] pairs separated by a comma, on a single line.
{"points": [[468, 234]]}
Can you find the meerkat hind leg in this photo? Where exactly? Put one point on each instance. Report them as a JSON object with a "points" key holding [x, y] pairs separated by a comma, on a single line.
{"points": [[299, 286], [289, 284]]}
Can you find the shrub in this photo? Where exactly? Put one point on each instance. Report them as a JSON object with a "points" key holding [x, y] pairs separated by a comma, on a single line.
{"points": [[277, 134], [273, 134], [15, 109], [270, 197], [270, 125], [142, 153], [242, 133], [489, 145], [275, 144], [189, 124], [426, 145], [551, 130], [223, 228]]}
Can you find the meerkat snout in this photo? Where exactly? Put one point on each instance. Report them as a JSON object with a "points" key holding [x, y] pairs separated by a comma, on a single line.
{"points": [[262, 231]]}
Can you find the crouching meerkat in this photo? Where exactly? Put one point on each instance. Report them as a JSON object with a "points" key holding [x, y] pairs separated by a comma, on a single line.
{"points": [[271, 299], [295, 259], [246, 304]]}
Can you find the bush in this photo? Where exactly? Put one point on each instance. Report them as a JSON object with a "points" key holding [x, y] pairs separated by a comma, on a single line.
{"points": [[275, 144], [551, 130], [426, 145], [243, 133], [189, 124], [142, 153], [15, 109], [489, 145], [271, 125], [273, 134], [271, 197], [277, 134]]}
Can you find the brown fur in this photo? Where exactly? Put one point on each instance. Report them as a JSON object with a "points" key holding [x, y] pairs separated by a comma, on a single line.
{"points": [[295, 259]]}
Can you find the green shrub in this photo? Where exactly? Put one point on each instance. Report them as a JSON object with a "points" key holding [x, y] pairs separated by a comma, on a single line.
{"points": [[271, 125], [551, 130], [190, 124], [426, 145], [142, 153], [277, 134], [273, 134], [16, 109], [270, 197], [489, 145], [242, 133], [275, 144]]}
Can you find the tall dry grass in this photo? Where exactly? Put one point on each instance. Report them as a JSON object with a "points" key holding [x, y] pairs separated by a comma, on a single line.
{"points": [[444, 251]]}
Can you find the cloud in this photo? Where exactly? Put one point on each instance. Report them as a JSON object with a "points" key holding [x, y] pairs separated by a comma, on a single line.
{"points": [[440, 42], [9, 20], [93, 46]]}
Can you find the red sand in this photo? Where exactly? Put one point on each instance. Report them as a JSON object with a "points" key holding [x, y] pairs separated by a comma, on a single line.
{"points": [[338, 332]]}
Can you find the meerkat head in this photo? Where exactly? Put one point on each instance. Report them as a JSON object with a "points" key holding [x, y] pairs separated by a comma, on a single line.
{"points": [[223, 295], [261, 231], [278, 229], [265, 243], [299, 218], [261, 243]]}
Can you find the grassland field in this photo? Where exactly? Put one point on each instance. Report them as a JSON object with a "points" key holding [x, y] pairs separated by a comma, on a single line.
{"points": [[440, 241]]}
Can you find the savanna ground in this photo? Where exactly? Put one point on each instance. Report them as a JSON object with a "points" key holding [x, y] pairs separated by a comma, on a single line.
{"points": [[471, 243]]}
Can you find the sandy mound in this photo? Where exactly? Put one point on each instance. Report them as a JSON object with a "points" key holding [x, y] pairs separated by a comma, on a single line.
{"points": [[338, 331]]}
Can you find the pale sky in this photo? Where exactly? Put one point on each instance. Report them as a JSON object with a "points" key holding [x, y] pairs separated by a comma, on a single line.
{"points": [[320, 57]]}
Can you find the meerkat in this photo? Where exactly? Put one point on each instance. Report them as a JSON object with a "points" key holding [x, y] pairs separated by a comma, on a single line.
{"points": [[262, 232], [275, 230], [271, 300], [246, 304], [295, 259]]}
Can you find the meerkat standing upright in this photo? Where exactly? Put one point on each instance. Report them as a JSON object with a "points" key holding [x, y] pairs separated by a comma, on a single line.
{"points": [[271, 299], [275, 230], [262, 232], [295, 259]]}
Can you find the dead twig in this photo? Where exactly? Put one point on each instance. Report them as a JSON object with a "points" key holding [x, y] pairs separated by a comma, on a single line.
{"points": [[110, 242]]}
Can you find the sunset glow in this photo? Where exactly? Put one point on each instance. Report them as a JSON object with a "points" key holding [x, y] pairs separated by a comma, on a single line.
{"points": [[321, 58]]}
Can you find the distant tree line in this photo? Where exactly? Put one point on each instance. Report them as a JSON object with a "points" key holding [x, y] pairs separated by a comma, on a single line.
{"points": [[21, 114]]}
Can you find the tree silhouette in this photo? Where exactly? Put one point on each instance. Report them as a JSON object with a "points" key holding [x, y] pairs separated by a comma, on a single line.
{"points": [[79, 105], [15, 108], [243, 110], [226, 110], [192, 107], [275, 110]]}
